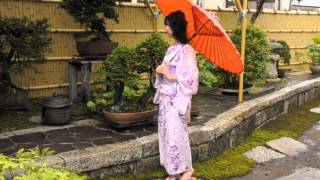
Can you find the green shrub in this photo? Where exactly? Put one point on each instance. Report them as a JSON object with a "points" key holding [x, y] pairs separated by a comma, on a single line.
{"points": [[257, 52], [314, 54], [316, 40], [206, 72], [29, 165]]}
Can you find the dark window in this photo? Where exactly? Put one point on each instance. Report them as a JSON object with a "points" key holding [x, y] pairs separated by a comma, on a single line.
{"points": [[150, 1]]}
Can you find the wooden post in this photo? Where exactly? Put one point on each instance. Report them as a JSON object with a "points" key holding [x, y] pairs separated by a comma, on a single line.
{"points": [[85, 80], [73, 92]]}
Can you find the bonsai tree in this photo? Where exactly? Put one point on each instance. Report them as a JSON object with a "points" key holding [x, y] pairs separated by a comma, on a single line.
{"points": [[257, 55], [22, 42], [119, 69], [92, 14], [129, 74], [150, 54]]}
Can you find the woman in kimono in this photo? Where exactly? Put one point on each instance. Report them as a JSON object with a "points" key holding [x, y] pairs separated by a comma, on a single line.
{"points": [[177, 80]]}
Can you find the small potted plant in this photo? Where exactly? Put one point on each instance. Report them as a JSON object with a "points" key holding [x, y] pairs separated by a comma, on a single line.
{"points": [[257, 54], [92, 14], [22, 42], [314, 54]]}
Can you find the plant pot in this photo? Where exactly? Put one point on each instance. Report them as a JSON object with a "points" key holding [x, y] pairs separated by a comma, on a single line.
{"points": [[14, 101], [234, 90], [95, 48], [315, 69], [129, 118]]}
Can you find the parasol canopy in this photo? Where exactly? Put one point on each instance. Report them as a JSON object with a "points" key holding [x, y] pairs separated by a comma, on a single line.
{"points": [[206, 35]]}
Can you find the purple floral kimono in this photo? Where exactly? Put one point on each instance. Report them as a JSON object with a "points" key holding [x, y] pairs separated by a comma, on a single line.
{"points": [[174, 99]]}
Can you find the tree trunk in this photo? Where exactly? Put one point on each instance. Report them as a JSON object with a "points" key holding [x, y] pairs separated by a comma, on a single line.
{"points": [[147, 96], [5, 77], [257, 13], [119, 87]]}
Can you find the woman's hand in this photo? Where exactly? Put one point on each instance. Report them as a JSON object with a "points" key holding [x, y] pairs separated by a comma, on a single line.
{"points": [[164, 69]]}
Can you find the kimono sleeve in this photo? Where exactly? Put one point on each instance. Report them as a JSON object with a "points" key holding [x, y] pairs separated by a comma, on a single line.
{"points": [[188, 79], [156, 85], [187, 71]]}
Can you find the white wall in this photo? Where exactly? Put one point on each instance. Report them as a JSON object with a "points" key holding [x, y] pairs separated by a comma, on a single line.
{"points": [[284, 4], [213, 4]]}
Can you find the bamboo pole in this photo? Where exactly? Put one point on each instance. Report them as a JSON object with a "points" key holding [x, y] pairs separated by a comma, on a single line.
{"points": [[243, 13]]}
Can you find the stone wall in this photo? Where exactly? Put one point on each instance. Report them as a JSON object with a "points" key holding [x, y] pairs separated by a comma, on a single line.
{"points": [[225, 131]]}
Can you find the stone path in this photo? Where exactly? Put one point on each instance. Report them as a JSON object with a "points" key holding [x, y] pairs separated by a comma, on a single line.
{"points": [[301, 160], [90, 133]]}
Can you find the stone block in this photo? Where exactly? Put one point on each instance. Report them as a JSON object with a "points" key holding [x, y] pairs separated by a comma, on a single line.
{"points": [[268, 113], [148, 164], [291, 104], [203, 152]]}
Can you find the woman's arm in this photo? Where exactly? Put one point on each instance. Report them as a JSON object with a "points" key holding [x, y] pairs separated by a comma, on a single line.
{"points": [[164, 69]]}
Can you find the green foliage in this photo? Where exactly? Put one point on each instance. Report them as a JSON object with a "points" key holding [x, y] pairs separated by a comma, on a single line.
{"points": [[121, 65], [257, 52], [29, 165], [100, 101], [22, 41], [92, 14], [119, 70], [284, 52], [316, 40], [314, 54], [151, 51], [124, 68], [207, 71]]}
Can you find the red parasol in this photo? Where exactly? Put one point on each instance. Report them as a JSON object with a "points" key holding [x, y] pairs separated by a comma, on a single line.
{"points": [[206, 34]]}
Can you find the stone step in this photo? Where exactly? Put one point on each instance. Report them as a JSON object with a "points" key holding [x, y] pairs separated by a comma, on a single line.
{"points": [[262, 154], [287, 146]]}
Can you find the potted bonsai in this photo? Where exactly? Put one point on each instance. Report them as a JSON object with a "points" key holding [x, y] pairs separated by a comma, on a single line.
{"points": [[129, 74], [314, 54], [92, 14], [122, 77], [257, 55], [150, 54], [22, 42]]}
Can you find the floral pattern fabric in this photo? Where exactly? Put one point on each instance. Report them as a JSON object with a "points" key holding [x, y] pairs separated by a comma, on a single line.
{"points": [[174, 99]]}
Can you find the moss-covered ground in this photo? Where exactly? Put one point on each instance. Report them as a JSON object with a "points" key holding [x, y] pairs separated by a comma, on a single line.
{"points": [[232, 162]]}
